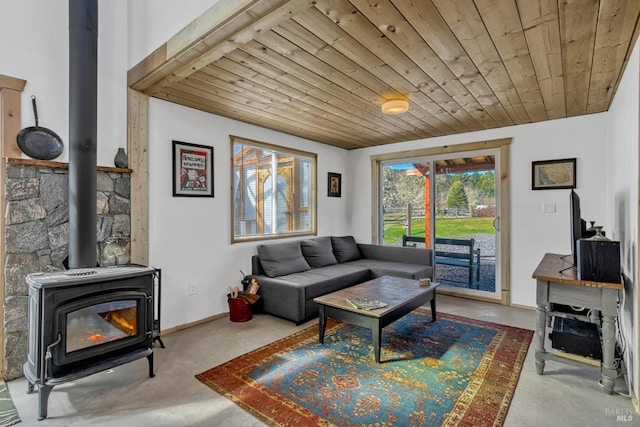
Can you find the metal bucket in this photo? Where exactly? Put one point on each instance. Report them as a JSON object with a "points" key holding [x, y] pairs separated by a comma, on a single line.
{"points": [[239, 310]]}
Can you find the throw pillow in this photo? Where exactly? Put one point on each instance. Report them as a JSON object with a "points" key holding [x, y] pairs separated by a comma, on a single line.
{"points": [[345, 248], [282, 258], [318, 252]]}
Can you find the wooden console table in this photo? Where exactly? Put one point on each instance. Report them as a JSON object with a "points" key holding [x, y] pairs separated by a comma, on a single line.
{"points": [[556, 283]]}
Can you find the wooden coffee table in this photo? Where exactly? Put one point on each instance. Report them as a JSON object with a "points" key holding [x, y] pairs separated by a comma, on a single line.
{"points": [[401, 296]]}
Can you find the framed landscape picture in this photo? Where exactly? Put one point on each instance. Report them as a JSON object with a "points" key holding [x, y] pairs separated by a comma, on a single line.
{"points": [[553, 174], [334, 185], [192, 170]]}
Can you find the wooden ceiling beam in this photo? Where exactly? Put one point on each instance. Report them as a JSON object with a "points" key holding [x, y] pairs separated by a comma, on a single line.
{"points": [[219, 47], [183, 47], [8, 82]]}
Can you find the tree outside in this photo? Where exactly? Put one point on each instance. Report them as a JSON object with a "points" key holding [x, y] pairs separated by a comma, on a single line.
{"points": [[401, 189], [457, 198], [469, 194]]}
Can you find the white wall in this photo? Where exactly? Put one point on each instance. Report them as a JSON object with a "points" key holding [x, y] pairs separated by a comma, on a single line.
{"points": [[34, 41], [152, 22], [533, 233], [623, 137], [189, 237]]}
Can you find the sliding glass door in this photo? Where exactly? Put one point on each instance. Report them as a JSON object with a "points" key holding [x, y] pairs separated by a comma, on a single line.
{"points": [[450, 203]]}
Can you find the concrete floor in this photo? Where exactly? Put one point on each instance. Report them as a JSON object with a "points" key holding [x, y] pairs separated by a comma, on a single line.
{"points": [[125, 396]]}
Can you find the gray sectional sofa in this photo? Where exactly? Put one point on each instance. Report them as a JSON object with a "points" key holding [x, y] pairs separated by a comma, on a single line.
{"points": [[292, 274]]}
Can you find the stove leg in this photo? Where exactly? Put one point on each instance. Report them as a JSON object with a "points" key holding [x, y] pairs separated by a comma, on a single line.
{"points": [[160, 341], [30, 388], [43, 399], [150, 359]]}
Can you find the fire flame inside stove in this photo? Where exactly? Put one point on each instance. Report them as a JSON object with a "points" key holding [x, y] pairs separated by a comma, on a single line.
{"points": [[123, 319], [101, 324], [97, 338]]}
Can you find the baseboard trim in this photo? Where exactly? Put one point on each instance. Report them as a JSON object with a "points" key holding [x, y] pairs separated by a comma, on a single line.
{"points": [[468, 296], [524, 307], [192, 324]]}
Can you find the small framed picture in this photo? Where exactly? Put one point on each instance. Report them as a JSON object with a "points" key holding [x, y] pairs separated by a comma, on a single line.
{"points": [[553, 174], [192, 170], [334, 185]]}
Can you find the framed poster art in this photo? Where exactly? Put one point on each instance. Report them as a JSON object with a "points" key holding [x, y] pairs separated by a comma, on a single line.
{"points": [[553, 174], [192, 170], [334, 185]]}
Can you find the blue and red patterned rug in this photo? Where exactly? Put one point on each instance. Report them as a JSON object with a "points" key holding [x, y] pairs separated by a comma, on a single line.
{"points": [[455, 371]]}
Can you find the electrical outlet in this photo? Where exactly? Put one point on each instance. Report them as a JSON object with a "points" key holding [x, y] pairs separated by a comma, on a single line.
{"points": [[548, 207], [192, 289]]}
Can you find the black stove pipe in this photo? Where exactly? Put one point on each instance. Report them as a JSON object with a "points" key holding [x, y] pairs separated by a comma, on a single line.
{"points": [[83, 109]]}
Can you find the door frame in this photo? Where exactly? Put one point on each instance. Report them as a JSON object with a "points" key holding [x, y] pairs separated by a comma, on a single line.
{"points": [[505, 222]]}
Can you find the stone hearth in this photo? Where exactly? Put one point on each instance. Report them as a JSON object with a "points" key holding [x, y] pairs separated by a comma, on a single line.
{"points": [[37, 238]]}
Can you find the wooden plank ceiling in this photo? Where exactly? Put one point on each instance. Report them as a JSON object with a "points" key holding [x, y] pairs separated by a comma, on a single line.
{"points": [[321, 69]]}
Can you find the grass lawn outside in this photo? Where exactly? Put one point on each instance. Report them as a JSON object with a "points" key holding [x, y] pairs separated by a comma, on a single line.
{"points": [[460, 228]]}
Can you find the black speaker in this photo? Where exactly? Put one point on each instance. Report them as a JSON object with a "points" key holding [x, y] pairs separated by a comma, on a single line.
{"points": [[599, 260]]}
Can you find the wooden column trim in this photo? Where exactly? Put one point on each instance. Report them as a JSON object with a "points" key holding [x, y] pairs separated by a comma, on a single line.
{"points": [[505, 226], [10, 91], [138, 147], [10, 118], [8, 82]]}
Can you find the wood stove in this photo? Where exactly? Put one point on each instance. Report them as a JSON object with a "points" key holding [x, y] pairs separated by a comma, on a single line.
{"points": [[83, 321]]}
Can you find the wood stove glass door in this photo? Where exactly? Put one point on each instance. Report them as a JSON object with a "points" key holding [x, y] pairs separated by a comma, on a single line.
{"points": [[101, 323], [94, 326]]}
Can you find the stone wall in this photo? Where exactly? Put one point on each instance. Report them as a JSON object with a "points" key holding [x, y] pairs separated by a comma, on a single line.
{"points": [[37, 238]]}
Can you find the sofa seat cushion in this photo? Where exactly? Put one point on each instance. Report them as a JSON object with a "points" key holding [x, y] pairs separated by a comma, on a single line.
{"points": [[390, 268], [320, 281], [280, 259], [318, 252], [345, 248]]}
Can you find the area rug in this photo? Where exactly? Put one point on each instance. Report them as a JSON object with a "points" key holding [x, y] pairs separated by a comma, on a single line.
{"points": [[8, 414], [454, 371]]}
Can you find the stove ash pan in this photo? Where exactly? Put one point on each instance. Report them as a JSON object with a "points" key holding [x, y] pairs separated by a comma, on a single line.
{"points": [[88, 320]]}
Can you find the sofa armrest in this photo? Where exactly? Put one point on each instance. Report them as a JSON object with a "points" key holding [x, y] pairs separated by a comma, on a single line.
{"points": [[282, 298], [422, 256], [256, 266]]}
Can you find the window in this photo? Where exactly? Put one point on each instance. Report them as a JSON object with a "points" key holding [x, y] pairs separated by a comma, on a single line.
{"points": [[274, 191]]}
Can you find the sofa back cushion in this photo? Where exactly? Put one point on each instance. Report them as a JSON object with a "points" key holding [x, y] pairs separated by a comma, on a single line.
{"points": [[318, 252], [345, 248], [282, 258]]}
